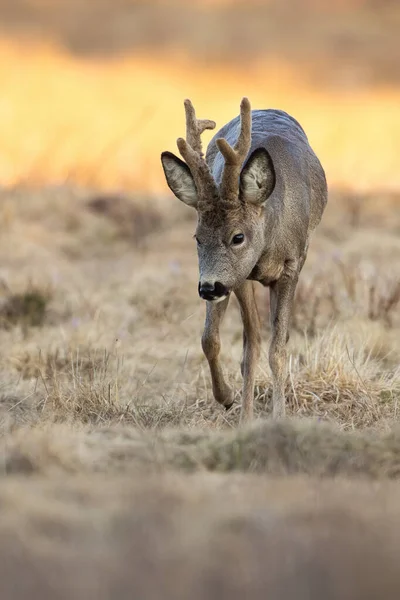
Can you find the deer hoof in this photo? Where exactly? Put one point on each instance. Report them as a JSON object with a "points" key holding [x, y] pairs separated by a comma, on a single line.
{"points": [[228, 406]]}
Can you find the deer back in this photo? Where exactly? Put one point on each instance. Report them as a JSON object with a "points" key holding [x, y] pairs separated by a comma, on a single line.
{"points": [[301, 192]]}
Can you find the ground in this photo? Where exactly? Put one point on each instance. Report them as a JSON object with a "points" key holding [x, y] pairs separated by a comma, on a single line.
{"points": [[120, 476], [101, 319], [109, 426]]}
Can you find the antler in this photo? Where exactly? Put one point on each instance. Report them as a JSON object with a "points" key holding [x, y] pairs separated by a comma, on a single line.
{"points": [[235, 157], [192, 152], [195, 127]]}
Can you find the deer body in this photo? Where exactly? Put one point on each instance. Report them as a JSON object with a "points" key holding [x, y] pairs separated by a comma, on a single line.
{"points": [[259, 193]]}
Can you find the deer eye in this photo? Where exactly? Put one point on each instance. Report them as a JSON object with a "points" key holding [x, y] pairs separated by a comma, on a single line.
{"points": [[197, 240], [238, 239]]}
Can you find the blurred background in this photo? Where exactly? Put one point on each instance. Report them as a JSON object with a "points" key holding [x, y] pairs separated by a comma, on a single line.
{"points": [[92, 92]]}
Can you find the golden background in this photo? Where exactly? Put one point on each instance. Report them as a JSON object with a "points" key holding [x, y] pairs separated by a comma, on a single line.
{"points": [[93, 91]]}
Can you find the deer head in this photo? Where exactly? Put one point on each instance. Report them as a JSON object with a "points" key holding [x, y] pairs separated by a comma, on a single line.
{"points": [[231, 216]]}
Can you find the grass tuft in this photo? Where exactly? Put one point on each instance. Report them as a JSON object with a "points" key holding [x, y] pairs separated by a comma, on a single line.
{"points": [[26, 309]]}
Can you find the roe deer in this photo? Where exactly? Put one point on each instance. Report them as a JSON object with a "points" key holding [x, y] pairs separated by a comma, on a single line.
{"points": [[259, 193]]}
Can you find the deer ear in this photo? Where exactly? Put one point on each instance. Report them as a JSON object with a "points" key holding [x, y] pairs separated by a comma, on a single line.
{"points": [[257, 179], [179, 178]]}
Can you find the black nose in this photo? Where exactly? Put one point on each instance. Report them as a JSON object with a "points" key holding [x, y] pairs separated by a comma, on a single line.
{"points": [[209, 291]]}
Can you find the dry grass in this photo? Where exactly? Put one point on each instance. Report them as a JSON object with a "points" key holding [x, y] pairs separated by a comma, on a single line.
{"points": [[110, 438], [95, 73], [97, 126], [294, 446], [27, 308], [101, 326], [357, 39], [200, 536], [121, 477]]}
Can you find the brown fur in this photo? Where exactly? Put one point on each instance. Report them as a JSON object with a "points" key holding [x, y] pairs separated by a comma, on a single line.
{"points": [[261, 180]]}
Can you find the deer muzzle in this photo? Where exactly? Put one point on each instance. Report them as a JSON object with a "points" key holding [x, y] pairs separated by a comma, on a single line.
{"points": [[213, 292]]}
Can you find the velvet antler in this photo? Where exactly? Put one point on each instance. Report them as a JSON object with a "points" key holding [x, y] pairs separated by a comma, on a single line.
{"points": [[235, 157]]}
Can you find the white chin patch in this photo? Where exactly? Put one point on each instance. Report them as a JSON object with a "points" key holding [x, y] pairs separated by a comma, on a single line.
{"points": [[216, 300]]}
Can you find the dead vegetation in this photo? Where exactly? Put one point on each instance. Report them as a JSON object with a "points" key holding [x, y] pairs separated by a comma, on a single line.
{"points": [[338, 35], [111, 440], [26, 309], [354, 289], [281, 448], [109, 333], [199, 536], [134, 220], [121, 477]]}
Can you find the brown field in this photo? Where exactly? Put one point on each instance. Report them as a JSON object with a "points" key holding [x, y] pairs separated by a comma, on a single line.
{"points": [[121, 477]]}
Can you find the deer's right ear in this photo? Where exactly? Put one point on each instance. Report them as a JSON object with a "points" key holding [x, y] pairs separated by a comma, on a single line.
{"points": [[257, 180], [179, 178]]}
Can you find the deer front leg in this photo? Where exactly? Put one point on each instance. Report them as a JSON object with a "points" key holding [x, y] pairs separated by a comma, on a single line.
{"points": [[281, 294], [251, 346], [211, 344]]}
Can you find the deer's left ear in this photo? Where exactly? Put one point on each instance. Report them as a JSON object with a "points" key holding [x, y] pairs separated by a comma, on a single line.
{"points": [[257, 179]]}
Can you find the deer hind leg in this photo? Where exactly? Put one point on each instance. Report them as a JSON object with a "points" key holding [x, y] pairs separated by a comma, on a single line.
{"points": [[211, 344], [282, 294], [251, 346]]}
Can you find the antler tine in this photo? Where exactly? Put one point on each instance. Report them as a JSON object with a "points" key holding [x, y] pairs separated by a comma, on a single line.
{"points": [[235, 157], [191, 148], [195, 127]]}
